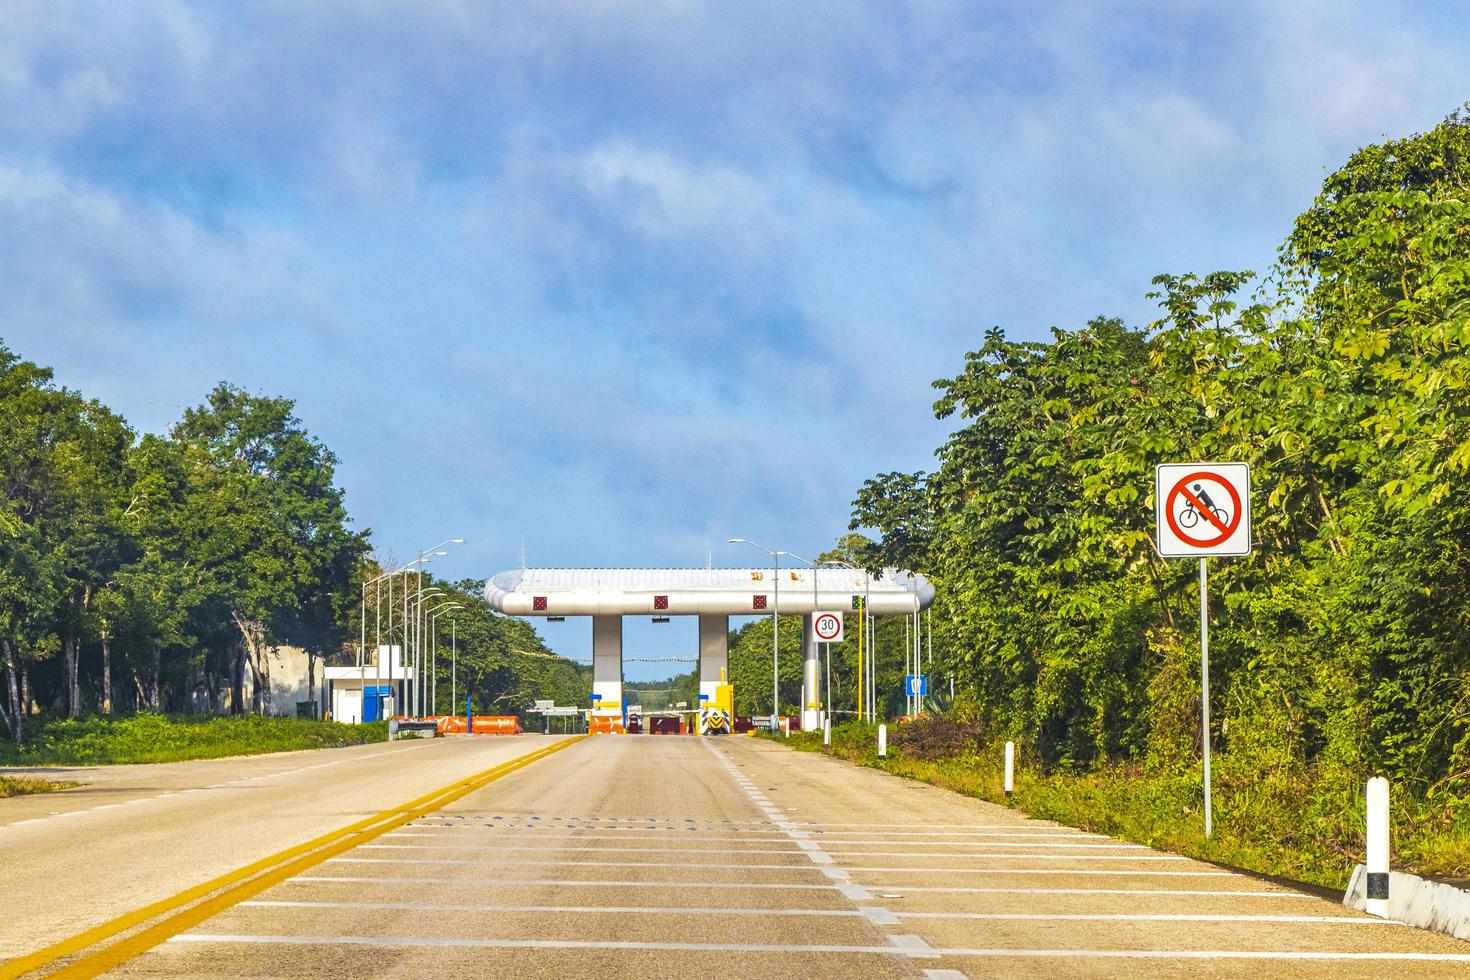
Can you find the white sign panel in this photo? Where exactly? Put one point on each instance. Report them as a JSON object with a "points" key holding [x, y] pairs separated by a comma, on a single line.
{"points": [[827, 627], [1203, 509]]}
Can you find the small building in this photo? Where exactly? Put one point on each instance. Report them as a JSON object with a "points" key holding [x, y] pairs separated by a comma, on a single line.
{"points": [[370, 691]]}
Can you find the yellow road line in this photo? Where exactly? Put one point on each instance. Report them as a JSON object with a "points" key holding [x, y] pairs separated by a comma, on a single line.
{"points": [[249, 880]]}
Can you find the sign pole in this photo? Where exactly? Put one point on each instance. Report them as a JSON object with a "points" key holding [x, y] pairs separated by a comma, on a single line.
{"points": [[1204, 673]]}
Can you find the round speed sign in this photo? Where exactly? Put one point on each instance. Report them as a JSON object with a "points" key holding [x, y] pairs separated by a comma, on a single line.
{"points": [[827, 627]]}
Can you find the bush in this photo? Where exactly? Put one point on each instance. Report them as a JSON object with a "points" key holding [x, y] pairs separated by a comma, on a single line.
{"points": [[147, 737], [937, 736]]}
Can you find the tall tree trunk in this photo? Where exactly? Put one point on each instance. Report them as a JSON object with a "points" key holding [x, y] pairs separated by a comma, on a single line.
{"points": [[156, 699], [73, 695], [252, 636], [237, 678], [106, 673], [25, 689], [17, 718]]}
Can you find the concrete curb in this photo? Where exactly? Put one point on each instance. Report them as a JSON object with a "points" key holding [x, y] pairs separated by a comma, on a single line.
{"points": [[1416, 902]]}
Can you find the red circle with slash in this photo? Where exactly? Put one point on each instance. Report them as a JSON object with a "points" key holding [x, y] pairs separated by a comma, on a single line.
{"points": [[1211, 521]]}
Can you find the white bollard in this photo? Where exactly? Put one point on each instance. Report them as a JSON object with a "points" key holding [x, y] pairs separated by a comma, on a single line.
{"points": [[882, 741], [1010, 768], [826, 731], [1377, 863]]}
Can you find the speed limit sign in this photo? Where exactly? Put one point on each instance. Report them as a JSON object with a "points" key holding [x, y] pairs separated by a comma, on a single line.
{"points": [[827, 627]]}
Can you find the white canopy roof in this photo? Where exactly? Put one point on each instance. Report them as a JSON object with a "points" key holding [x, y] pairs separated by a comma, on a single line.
{"points": [[702, 591]]}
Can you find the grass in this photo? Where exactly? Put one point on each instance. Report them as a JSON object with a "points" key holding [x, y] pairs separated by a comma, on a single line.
{"points": [[167, 738], [28, 786], [1294, 825]]}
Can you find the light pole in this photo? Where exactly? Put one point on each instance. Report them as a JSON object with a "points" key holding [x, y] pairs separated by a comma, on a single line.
{"points": [[418, 616], [418, 645], [377, 640], [434, 615], [775, 628]]}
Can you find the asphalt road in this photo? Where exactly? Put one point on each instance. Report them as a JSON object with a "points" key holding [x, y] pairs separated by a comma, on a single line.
{"points": [[667, 856], [132, 835]]}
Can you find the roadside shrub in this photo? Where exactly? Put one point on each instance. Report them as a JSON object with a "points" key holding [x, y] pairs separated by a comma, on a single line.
{"points": [[938, 736]]}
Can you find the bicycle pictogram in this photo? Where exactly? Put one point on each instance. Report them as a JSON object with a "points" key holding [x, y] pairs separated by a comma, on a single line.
{"points": [[1190, 515]]}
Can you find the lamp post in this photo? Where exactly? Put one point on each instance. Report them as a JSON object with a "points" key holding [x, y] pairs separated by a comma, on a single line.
{"points": [[434, 615], [775, 628], [377, 639], [418, 645], [424, 556]]}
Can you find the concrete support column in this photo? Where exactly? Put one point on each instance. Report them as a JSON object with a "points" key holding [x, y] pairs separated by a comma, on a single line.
{"points": [[811, 672], [714, 652], [607, 665]]}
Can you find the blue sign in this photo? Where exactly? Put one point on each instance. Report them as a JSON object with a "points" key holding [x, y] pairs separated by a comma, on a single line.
{"points": [[916, 685]]}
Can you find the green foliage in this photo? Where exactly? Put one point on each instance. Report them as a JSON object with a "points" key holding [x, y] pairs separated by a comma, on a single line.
{"points": [[1340, 648], [145, 737]]}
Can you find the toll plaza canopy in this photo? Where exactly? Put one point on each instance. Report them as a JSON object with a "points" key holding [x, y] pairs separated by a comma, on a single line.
{"points": [[713, 595], [703, 591]]}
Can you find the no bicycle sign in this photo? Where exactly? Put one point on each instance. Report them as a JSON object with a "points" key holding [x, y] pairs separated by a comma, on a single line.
{"points": [[1203, 509]]}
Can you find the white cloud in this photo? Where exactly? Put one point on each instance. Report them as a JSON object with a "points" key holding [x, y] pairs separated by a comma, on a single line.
{"points": [[665, 197]]}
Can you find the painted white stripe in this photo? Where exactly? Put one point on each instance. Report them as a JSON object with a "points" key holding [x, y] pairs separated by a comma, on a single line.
{"points": [[916, 946], [538, 862], [1146, 917], [571, 909], [1003, 840], [577, 883], [1191, 892], [598, 849], [1156, 954], [1040, 871], [1005, 857]]}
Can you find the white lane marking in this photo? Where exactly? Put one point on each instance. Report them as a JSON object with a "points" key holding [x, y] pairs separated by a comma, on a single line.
{"points": [[610, 944], [580, 864], [878, 916], [1147, 917], [1152, 954], [571, 909], [914, 946], [581, 883], [596, 849], [480, 823], [1055, 871], [1192, 892], [944, 975], [927, 856]]}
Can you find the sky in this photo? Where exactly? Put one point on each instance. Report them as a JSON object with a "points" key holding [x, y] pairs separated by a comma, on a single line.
{"points": [[618, 280]]}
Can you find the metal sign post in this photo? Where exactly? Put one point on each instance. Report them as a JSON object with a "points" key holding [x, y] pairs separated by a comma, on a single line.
{"points": [[1204, 675], [1203, 509]]}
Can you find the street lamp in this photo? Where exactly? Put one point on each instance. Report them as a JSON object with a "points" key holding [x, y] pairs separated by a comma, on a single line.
{"points": [[377, 639], [424, 556], [775, 627], [434, 615], [418, 644]]}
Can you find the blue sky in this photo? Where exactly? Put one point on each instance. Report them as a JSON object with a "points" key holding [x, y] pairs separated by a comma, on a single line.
{"points": [[621, 279]]}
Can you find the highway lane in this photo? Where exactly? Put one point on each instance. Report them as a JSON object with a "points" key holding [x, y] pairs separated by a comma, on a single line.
{"points": [[666, 856], [131, 835]]}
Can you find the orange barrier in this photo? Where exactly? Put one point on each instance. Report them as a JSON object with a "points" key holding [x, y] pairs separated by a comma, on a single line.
{"points": [[484, 724], [605, 725]]}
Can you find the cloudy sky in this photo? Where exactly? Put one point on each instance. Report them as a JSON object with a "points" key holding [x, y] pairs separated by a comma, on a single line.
{"points": [[618, 280]]}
